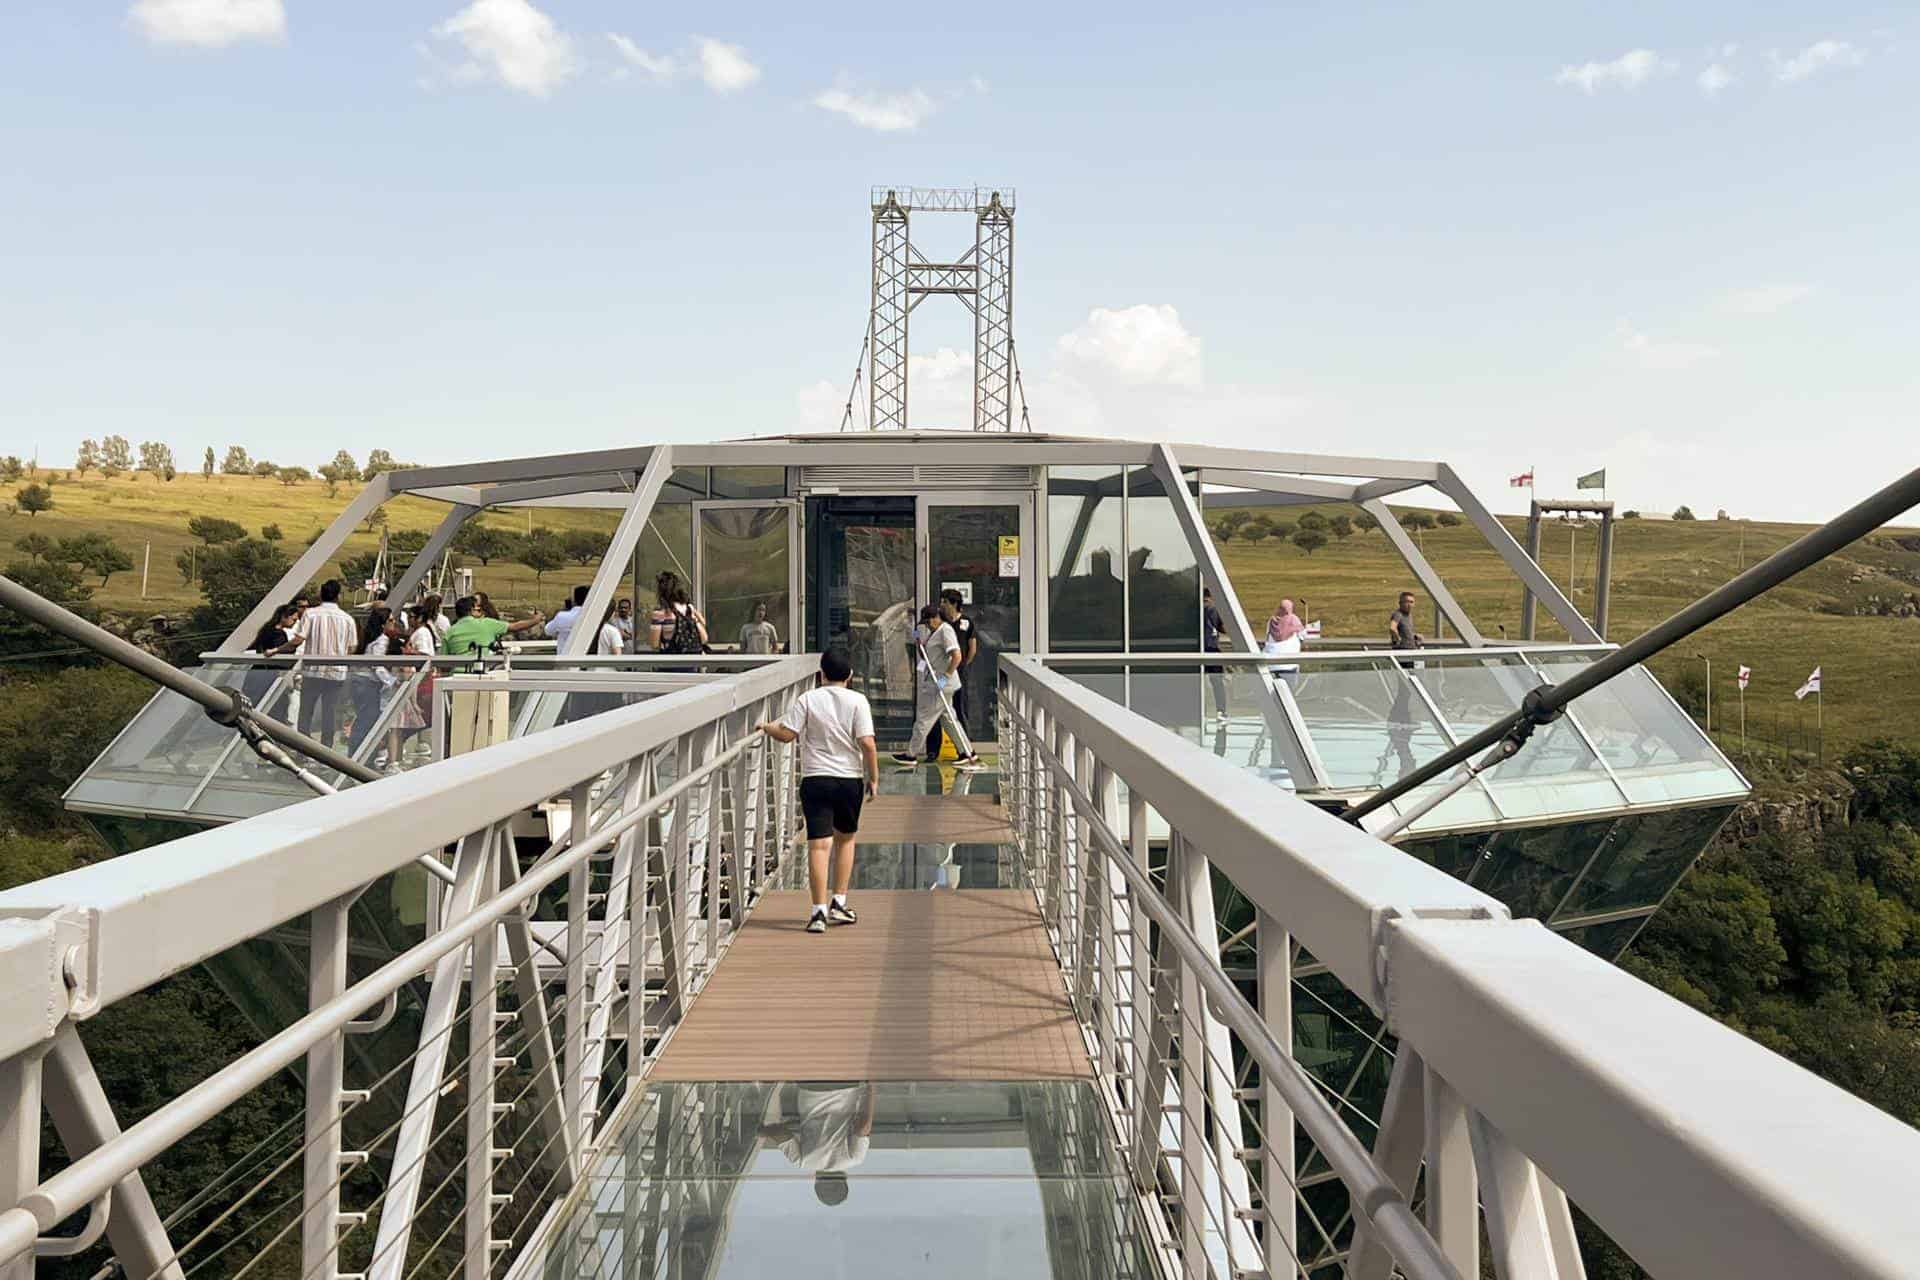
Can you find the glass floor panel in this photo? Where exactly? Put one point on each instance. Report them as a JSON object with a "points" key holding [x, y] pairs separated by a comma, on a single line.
{"points": [[850, 1180]]}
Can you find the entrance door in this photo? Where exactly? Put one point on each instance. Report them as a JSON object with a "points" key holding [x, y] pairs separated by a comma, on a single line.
{"points": [[744, 557], [981, 544], [861, 596]]}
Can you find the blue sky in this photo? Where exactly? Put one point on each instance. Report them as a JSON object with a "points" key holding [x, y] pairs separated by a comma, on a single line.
{"points": [[1499, 234]]}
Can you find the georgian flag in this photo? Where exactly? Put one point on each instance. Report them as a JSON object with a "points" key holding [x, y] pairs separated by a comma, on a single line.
{"points": [[1746, 674], [1522, 481], [1811, 686]]}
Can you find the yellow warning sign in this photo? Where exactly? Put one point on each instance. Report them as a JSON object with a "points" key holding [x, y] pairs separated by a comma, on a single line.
{"points": [[1009, 544]]}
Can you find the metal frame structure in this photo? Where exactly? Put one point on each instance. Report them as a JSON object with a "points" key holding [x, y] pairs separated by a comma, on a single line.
{"points": [[1603, 571], [903, 278]]}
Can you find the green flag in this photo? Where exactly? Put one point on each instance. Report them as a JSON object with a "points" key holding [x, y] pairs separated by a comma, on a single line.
{"points": [[1593, 479]]}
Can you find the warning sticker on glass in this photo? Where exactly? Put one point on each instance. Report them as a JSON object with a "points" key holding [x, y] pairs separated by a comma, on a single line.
{"points": [[1009, 546], [1009, 566]]}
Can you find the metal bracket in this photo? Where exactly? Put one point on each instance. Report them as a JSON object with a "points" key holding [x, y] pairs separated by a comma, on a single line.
{"points": [[1386, 916]]}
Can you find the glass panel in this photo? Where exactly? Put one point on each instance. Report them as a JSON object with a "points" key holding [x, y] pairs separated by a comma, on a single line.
{"points": [[1367, 721], [749, 482], [861, 1179], [861, 561], [1163, 575], [1086, 609], [665, 545], [1457, 855], [963, 552], [746, 588], [685, 484], [1644, 857], [1531, 868], [1658, 752]]}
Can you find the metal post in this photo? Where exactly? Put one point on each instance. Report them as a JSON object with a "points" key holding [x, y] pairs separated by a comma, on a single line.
{"points": [[1280, 1242], [20, 1078], [326, 980], [1192, 1088], [573, 1046], [1453, 1192], [483, 1032], [1603, 573], [640, 841], [1528, 609]]}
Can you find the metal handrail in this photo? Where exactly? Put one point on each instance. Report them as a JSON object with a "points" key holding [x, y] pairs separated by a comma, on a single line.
{"points": [[1440, 654], [101, 1169], [1374, 1196]]}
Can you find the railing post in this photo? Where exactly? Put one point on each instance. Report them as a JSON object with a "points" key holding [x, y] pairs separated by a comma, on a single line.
{"points": [[1280, 1242], [639, 865], [1106, 996], [483, 1034], [326, 980], [1453, 1190], [1192, 1083], [573, 1049], [20, 1104], [1524, 1242]]}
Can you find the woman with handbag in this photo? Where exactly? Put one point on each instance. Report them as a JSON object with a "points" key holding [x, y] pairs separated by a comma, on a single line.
{"points": [[675, 626]]}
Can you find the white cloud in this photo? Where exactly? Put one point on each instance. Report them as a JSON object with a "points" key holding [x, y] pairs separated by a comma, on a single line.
{"points": [[1139, 345], [662, 67], [881, 112], [725, 67], [1664, 355], [1816, 57], [1766, 299], [513, 42], [1628, 71], [1714, 78], [211, 24]]}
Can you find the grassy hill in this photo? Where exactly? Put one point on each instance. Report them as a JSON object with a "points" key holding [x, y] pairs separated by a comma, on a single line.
{"points": [[1869, 663]]}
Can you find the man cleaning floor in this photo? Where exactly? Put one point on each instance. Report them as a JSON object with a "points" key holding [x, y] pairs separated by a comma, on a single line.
{"points": [[839, 770]]}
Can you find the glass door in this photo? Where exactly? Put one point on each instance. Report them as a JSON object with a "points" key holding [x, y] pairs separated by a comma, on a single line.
{"points": [[861, 596], [981, 545], [745, 566]]}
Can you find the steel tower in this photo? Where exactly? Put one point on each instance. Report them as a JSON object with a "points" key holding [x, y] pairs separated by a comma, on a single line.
{"points": [[982, 279]]}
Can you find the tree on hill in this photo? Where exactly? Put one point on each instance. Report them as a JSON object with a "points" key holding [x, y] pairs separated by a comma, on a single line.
{"points": [[331, 474], [155, 457], [344, 464], [271, 532], [11, 468], [236, 462], [359, 568], [1446, 519], [1341, 526], [1630, 515], [115, 452], [1223, 530], [290, 476], [58, 582], [214, 530], [1365, 522], [34, 498], [541, 551], [235, 576], [88, 457], [1280, 530], [1314, 520], [380, 460], [1416, 520], [1255, 530], [405, 544], [582, 546], [263, 469], [1684, 513], [38, 546], [1309, 540], [95, 553], [206, 465], [483, 542]]}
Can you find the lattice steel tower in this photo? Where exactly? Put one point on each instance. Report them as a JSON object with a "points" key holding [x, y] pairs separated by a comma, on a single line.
{"points": [[982, 279]]}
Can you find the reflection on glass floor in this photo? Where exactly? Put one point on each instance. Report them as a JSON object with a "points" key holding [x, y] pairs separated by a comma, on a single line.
{"points": [[927, 864], [838, 1180]]}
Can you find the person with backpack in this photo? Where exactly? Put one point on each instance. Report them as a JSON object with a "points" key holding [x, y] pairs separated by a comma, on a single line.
{"points": [[675, 626]]}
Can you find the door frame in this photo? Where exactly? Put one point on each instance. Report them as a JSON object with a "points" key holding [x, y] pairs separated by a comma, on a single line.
{"points": [[793, 639], [1023, 499]]}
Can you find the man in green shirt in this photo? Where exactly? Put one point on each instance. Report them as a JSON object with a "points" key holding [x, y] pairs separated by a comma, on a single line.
{"points": [[476, 633]]}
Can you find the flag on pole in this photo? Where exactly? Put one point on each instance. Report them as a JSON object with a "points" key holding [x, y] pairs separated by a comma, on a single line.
{"points": [[1811, 686], [1746, 674], [1592, 480], [1522, 481]]}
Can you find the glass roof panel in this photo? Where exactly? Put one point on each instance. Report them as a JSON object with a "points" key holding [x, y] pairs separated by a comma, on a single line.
{"points": [[1367, 721]]}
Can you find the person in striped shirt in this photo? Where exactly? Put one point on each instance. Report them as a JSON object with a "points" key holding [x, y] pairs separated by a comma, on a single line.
{"points": [[327, 631]]}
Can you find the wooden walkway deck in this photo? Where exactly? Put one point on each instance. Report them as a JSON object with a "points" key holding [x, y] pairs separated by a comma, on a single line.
{"points": [[928, 986], [950, 819]]}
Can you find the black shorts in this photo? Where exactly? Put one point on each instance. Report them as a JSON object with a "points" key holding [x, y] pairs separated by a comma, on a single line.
{"points": [[831, 805]]}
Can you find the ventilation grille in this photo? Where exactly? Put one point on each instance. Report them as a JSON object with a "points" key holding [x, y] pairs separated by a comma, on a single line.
{"points": [[910, 479]]}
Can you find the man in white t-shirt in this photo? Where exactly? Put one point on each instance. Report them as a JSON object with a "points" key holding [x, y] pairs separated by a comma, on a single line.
{"points": [[935, 653], [839, 770], [829, 1134]]}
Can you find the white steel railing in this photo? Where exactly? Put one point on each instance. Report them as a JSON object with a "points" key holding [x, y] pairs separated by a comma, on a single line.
{"points": [[1526, 1071], [450, 1159]]}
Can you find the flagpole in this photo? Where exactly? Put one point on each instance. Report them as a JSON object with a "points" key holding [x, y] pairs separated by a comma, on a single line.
{"points": [[1820, 722], [1743, 719]]}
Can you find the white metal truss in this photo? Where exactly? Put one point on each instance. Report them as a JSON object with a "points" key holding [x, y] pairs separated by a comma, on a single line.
{"points": [[993, 384], [887, 327]]}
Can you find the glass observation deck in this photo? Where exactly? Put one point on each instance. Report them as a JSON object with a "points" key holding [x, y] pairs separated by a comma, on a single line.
{"points": [[1587, 828]]}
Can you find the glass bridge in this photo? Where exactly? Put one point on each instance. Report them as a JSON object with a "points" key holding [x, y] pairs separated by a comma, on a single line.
{"points": [[1294, 1049]]}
